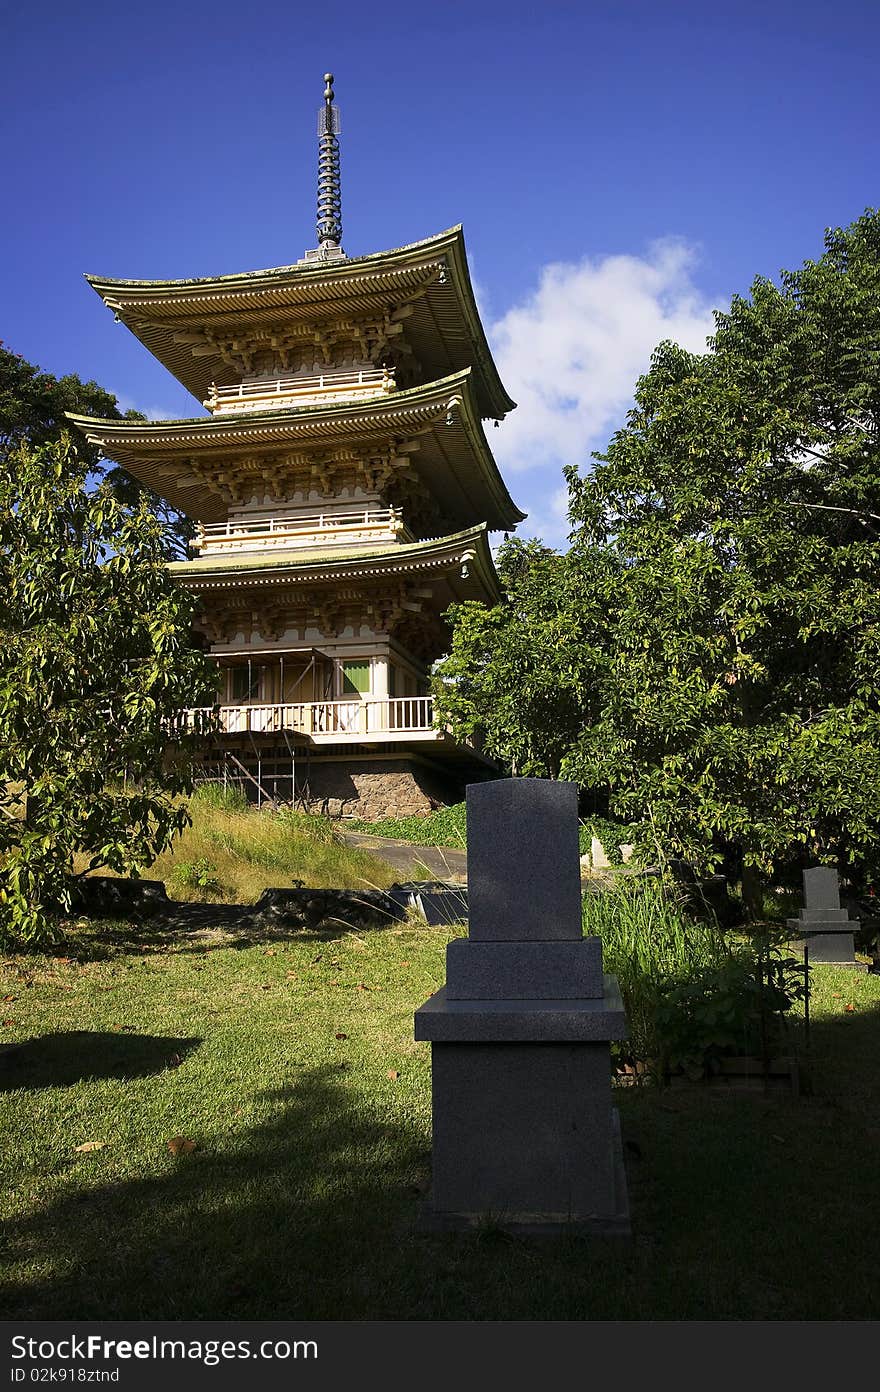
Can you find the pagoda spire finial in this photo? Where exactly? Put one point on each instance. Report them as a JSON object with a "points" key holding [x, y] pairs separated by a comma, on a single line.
{"points": [[329, 225]]}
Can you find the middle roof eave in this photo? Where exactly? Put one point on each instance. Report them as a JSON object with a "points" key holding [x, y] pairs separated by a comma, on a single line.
{"points": [[140, 446]]}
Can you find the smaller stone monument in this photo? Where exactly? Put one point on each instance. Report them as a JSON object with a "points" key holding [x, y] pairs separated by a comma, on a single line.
{"points": [[524, 1134], [598, 858], [823, 924]]}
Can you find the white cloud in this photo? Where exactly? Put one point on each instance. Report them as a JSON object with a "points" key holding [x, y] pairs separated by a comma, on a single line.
{"points": [[153, 413], [570, 354]]}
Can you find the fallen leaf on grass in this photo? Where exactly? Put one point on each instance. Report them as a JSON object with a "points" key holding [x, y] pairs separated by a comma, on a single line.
{"points": [[342, 1036], [315, 960], [271, 952], [181, 1145], [836, 995], [265, 986], [405, 964], [90, 1145], [8, 1022], [849, 1007], [392, 1073], [10, 998], [362, 987]]}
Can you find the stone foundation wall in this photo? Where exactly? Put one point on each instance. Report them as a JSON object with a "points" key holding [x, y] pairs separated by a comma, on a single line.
{"points": [[375, 789]]}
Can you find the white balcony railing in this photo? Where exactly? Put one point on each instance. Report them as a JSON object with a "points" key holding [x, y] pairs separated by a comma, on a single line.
{"points": [[343, 719], [325, 529], [323, 388]]}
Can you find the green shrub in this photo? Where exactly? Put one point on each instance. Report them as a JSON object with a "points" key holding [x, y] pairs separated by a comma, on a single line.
{"points": [[445, 827], [197, 874], [737, 1008]]}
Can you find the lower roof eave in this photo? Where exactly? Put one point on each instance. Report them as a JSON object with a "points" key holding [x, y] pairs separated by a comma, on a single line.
{"points": [[440, 743]]}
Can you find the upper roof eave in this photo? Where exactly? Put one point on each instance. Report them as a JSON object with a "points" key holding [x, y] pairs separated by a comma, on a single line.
{"points": [[316, 271], [131, 299]]}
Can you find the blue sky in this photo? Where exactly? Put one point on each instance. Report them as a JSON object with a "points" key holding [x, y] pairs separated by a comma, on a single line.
{"points": [[620, 170]]}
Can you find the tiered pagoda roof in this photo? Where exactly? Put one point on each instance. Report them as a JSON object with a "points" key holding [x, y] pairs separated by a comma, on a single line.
{"points": [[336, 378]]}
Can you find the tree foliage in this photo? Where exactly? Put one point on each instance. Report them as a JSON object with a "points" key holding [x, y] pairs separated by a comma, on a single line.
{"points": [[520, 675], [95, 661], [724, 578], [32, 410]]}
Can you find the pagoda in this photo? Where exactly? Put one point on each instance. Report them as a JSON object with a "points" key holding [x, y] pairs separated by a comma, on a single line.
{"points": [[343, 489]]}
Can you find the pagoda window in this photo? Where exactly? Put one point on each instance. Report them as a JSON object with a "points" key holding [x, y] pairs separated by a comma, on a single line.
{"points": [[355, 678], [245, 683]]}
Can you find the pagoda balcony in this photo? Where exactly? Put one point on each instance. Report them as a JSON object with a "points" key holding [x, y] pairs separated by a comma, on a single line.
{"points": [[313, 531], [376, 719], [278, 393]]}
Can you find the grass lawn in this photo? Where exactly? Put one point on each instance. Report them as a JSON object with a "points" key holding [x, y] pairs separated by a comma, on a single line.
{"points": [[290, 1062]]}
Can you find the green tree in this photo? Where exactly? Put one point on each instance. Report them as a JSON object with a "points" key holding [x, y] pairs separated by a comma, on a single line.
{"points": [[32, 409], [741, 508], [520, 675], [95, 661], [708, 651]]}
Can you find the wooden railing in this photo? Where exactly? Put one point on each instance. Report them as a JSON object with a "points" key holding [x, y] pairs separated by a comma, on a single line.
{"points": [[347, 528], [325, 386], [371, 716]]}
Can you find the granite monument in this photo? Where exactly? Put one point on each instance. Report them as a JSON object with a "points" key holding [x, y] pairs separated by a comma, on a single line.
{"points": [[524, 1133]]}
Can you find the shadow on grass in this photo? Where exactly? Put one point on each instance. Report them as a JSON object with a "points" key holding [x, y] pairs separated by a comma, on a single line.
{"points": [[285, 1218], [72, 1056]]}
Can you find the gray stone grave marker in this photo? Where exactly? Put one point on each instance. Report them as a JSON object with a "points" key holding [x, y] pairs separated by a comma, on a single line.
{"points": [[823, 924], [524, 1133]]}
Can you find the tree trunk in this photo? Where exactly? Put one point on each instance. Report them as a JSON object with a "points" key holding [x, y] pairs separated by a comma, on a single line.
{"points": [[753, 892]]}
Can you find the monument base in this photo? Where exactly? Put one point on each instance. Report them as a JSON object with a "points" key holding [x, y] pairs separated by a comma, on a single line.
{"points": [[613, 1224], [823, 926], [829, 948], [850, 966]]}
